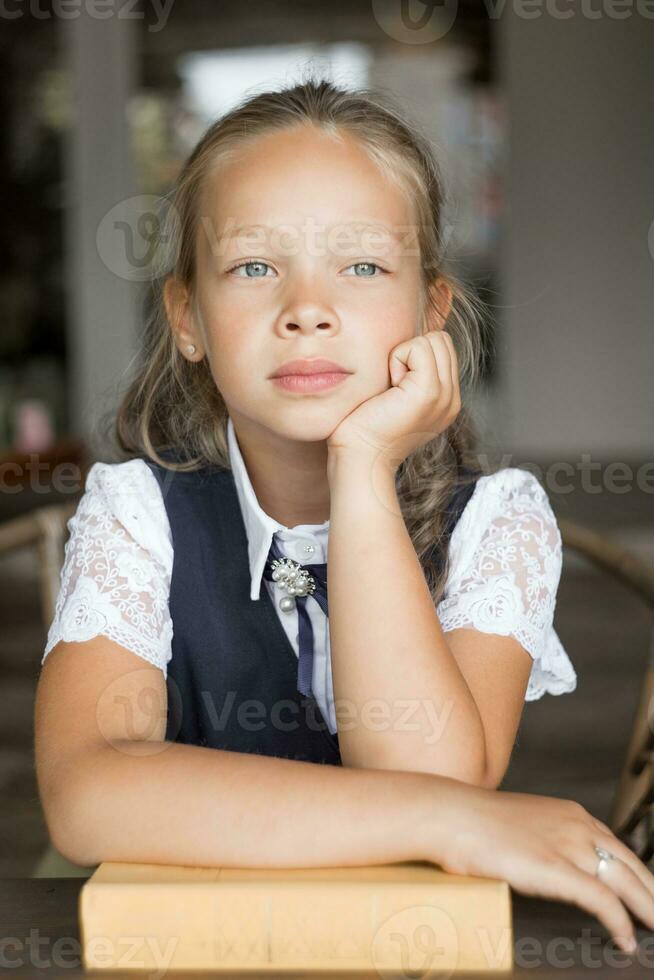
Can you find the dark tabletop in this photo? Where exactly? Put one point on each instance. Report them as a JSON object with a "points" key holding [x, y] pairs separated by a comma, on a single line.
{"points": [[39, 934]]}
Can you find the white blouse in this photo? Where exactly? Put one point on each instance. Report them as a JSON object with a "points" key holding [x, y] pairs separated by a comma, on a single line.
{"points": [[505, 566]]}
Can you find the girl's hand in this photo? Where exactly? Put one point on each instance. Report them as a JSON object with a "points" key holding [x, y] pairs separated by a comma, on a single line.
{"points": [[423, 401], [546, 847]]}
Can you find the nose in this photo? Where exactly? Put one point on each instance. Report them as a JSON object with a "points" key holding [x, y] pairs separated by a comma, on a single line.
{"points": [[307, 311]]}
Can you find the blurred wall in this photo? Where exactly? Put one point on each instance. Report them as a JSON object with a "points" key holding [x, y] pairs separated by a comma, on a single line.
{"points": [[576, 346]]}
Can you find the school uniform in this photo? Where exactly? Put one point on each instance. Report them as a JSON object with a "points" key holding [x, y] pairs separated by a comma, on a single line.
{"points": [[171, 566]]}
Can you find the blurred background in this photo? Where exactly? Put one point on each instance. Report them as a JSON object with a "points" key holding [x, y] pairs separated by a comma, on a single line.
{"points": [[541, 115]]}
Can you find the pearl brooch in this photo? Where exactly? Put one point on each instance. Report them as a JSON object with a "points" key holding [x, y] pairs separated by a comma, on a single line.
{"points": [[295, 579]]}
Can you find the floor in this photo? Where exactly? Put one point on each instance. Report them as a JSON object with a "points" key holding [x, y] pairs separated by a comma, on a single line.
{"points": [[570, 746]]}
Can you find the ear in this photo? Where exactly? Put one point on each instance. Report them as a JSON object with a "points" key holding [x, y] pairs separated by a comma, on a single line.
{"points": [[177, 301], [441, 294]]}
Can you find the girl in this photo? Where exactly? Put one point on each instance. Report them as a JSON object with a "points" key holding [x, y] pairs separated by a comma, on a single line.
{"points": [[298, 386]]}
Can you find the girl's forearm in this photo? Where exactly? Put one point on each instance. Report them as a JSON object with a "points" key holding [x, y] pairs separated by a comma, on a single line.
{"points": [[401, 700], [172, 803]]}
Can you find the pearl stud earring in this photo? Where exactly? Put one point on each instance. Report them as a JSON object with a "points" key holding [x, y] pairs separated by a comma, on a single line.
{"points": [[191, 348]]}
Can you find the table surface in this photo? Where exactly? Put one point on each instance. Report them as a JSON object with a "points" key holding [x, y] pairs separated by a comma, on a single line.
{"points": [[39, 934]]}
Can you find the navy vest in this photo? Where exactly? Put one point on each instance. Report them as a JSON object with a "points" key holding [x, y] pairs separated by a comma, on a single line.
{"points": [[232, 678]]}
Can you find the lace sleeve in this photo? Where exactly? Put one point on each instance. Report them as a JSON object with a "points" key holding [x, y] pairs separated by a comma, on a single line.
{"points": [[506, 563], [115, 578]]}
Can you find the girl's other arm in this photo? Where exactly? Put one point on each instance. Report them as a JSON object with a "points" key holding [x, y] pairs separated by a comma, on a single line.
{"points": [[113, 790]]}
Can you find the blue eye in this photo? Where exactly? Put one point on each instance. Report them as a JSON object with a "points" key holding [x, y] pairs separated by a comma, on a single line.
{"points": [[365, 265], [251, 263], [369, 267]]}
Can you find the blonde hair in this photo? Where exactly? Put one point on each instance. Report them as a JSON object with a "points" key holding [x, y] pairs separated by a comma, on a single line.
{"points": [[174, 403]]}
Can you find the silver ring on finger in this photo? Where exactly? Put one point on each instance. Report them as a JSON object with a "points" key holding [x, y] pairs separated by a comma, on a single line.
{"points": [[605, 857]]}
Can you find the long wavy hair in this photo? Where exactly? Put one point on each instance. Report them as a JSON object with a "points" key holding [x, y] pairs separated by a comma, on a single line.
{"points": [[172, 403]]}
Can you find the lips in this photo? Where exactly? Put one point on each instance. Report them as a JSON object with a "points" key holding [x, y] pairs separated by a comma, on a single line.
{"points": [[316, 365]]}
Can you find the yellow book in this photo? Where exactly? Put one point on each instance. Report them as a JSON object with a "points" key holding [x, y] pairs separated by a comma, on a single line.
{"points": [[410, 917]]}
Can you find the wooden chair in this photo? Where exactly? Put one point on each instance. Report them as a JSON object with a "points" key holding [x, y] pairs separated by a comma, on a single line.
{"points": [[44, 529], [632, 811]]}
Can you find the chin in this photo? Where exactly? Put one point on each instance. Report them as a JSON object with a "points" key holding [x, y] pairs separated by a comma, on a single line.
{"points": [[306, 426], [307, 433]]}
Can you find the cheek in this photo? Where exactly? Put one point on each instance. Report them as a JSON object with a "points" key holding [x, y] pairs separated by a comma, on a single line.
{"points": [[394, 325], [230, 360], [227, 338], [398, 328], [222, 353]]}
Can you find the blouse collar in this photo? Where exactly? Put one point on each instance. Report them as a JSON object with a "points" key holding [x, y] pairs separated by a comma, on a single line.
{"points": [[260, 527]]}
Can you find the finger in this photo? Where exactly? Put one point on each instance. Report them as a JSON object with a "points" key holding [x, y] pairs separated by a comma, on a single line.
{"points": [[443, 364], [456, 384], [602, 826], [619, 876], [628, 886], [417, 355], [576, 886], [615, 846], [454, 402], [454, 360]]}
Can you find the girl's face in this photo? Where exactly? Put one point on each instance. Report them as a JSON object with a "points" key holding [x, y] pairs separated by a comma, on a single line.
{"points": [[304, 250]]}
